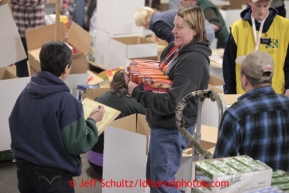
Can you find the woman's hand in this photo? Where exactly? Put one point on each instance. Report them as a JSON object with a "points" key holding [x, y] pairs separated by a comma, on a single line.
{"points": [[97, 113]]}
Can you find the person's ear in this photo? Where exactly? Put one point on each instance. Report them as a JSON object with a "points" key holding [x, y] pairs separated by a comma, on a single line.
{"points": [[67, 69]]}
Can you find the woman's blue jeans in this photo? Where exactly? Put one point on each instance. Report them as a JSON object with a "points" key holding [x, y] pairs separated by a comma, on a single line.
{"points": [[164, 158]]}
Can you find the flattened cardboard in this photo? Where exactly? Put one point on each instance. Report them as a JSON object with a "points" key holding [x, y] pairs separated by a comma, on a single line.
{"points": [[79, 38], [11, 48], [8, 72]]}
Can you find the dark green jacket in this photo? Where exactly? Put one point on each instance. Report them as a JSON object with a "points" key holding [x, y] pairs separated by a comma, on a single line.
{"points": [[223, 33]]}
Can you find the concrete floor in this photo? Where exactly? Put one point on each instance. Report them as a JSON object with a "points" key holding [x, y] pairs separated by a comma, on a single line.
{"points": [[8, 178]]}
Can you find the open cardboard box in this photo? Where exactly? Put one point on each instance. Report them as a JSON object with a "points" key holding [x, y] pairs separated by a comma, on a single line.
{"points": [[77, 37], [8, 72], [125, 150], [132, 47]]}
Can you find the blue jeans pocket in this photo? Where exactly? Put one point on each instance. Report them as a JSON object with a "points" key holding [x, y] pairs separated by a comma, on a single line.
{"points": [[49, 178]]}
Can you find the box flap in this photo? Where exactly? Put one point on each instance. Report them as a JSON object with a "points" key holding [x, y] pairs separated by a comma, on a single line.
{"points": [[8, 72], [215, 88], [93, 78], [3, 2], [36, 37], [92, 93], [79, 64], [143, 128], [133, 40], [209, 134], [230, 99], [79, 38], [216, 81], [11, 48], [127, 123], [142, 125]]}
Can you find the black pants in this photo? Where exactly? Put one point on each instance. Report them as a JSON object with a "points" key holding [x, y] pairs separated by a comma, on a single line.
{"points": [[35, 179]]}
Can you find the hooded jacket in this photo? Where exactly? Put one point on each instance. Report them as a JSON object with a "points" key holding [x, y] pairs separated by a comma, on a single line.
{"points": [[223, 33], [241, 42], [47, 125], [189, 72]]}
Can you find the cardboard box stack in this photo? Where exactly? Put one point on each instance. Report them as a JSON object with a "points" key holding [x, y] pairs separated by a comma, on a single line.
{"points": [[117, 36]]}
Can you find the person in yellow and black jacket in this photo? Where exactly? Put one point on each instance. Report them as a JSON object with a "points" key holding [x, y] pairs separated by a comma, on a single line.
{"points": [[260, 28]]}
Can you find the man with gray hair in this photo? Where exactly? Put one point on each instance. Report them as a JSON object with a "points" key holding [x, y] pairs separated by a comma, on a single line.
{"points": [[257, 125]]}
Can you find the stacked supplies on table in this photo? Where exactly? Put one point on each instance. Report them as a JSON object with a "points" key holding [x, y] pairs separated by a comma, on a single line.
{"points": [[147, 74], [231, 174]]}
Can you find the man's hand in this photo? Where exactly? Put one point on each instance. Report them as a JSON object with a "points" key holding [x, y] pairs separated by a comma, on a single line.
{"points": [[287, 92], [97, 113]]}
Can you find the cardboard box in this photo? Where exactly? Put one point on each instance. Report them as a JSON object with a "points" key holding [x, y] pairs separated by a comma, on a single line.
{"points": [[132, 47], [124, 154], [93, 93], [11, 48], [236, 182], [128, 161], [77, 37], [117, 16], [8, 72]]}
